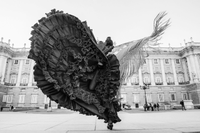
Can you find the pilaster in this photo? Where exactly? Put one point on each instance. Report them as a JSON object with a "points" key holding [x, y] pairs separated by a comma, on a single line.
{"points": [[19, 73], [174, 72], [31, 73], [151, 72], [140, 77]]}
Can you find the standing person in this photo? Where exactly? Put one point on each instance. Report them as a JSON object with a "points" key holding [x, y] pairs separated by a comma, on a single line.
{"points": [[150, 107], [157, 106], [145, 107], [183, 105], [154, 106]]}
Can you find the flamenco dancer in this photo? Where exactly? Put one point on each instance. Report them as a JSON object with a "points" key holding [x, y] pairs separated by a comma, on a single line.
{"points": [[79, 74]]}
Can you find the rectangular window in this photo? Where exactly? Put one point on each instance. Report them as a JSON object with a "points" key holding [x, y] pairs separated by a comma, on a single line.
{"points": [[34, 98], [9, 98], [21, 98], [46, 99], [136, 98], [166, 61], [15, 61], [13, 79], [158, 80], [185, 96], [177, 61], [173, 97], [4, 98], [27, 61], [155, 61], [24, 80], [180, 79], [161, 97], [149, 98], [146, 80]]}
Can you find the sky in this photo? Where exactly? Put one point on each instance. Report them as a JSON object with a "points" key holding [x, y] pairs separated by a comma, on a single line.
{"points": [[123, 20]]}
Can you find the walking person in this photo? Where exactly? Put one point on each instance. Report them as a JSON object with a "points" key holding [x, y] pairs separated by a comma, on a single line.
{"points": [[183, 105], [150, 107], [157, 106]]}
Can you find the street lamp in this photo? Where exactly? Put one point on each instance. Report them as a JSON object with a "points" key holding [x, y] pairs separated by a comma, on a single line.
{"points": [[49, 109], [146, 86]]}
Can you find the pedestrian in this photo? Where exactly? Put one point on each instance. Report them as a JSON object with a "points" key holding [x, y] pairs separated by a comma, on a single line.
{"points": [[123, 105], [182, 105], [157, 106], [154, 106], [150, 107], [145, 107]]}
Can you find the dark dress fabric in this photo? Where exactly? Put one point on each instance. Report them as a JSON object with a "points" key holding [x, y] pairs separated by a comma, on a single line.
{"points": [[70, 68]]}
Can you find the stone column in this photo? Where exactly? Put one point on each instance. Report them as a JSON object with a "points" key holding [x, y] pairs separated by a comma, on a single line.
{"points": [[140, 77], [174, 72], [3, 70], [151, 72], [31, 73], [196, 66], [7, 76], [185, 69], [19, 73], [190, 69], [163, 72]]}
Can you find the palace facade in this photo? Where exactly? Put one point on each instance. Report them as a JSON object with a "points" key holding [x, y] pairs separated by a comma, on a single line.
{"points": [[172, 74]]}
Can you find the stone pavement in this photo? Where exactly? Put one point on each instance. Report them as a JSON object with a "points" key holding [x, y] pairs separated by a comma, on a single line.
{"points": [[176, 121]]}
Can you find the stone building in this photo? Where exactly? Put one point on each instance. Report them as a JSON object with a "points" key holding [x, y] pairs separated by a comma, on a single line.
{"points": [[172, 74]]}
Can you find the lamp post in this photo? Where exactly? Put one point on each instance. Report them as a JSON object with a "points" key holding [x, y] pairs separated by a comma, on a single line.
{"points": [[146, 86], [49, 109]]}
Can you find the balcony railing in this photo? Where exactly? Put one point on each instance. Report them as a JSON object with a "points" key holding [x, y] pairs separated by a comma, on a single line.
{"points": [[134, 83], [184, 83], [23, 84], [10, 84], [159, 83], [170, 83]]}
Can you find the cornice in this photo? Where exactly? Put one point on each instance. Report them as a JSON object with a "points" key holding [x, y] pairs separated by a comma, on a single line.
{"points": [[188, 50], [14, 52], [6, 50]]}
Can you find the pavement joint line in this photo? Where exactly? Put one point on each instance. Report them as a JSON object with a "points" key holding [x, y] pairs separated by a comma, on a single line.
{"points": [[18, 125], [59, 123]]}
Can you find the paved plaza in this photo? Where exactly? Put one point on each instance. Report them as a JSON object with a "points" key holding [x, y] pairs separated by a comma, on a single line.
{"points": [[175, 121]]}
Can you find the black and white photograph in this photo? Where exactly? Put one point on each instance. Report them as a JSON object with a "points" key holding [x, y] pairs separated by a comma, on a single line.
{"points": [[100, 66]]}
